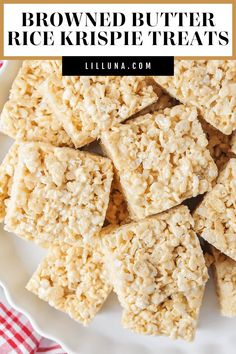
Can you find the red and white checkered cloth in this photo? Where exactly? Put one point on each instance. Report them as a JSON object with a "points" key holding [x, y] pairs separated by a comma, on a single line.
{"points": [[17, 336]]}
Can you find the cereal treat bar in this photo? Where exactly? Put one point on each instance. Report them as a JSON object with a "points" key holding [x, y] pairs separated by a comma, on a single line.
{"points": [[225, 279], [7, 170], [176, 317], [152, 259], [117, 212], [218, 144], [58, 194], [26, 115], [161, 159], [86, 105], [72, 279], [210, 85], [215, 217]]}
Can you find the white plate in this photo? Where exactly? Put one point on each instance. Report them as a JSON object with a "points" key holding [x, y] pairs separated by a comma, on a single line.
{"points": [[18, 260]]}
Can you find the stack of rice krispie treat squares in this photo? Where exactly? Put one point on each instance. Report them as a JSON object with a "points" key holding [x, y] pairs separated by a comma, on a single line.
{"points": [[157, 269], [42, 102], [31, 116], [117, 212], [161, 159], [58, 196], [210, 86], [61, 198], [87, 105]]}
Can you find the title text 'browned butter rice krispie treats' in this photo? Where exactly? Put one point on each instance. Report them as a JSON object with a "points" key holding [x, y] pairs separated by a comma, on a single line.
{"points": [[86, 105], [58, 194], [72, 279], [26, 115], [225, 278], [161, 158], [210, 85], [7, 169], [152, 259], [215, 217]]}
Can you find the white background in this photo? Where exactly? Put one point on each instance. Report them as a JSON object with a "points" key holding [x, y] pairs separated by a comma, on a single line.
{"points": [[13, 22]]}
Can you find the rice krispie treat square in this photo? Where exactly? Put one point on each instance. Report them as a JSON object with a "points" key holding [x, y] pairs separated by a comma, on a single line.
{"points": [[210, 85], [58, 194], [176, 317], [215, 217], [117, 211], [86, 105], [161, 159], [7, 169], [72, 279], [26, 115], [154, 258], [225, 280]]}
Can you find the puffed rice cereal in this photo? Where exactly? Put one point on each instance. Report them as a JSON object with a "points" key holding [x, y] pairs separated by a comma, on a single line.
{"points": [[86, 105]]}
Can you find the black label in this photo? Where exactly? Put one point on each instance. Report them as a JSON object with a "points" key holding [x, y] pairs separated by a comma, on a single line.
{"points": [[128, 66]]}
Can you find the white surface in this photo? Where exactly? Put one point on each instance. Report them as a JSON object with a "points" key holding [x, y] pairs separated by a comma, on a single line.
{"points": [[18, 260]]}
